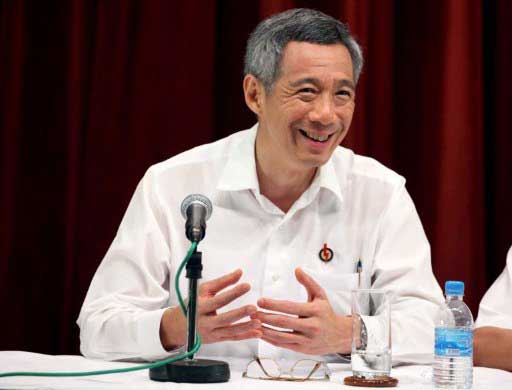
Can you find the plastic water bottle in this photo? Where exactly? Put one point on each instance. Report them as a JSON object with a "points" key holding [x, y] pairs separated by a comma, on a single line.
{"points": [[453, 361]]}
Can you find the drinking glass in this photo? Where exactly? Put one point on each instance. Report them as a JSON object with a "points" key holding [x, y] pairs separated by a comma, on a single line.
{"points": [[371, 333]]}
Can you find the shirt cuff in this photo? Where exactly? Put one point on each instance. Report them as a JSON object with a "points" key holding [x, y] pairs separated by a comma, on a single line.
{"points": [[148, 337], [344, 357]]}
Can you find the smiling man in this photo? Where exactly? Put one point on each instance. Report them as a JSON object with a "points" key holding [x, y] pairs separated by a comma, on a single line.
{"points": [[298, 222]]}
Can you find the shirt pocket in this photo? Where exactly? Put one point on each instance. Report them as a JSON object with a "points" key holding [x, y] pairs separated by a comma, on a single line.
{"points": [[338, 287]]}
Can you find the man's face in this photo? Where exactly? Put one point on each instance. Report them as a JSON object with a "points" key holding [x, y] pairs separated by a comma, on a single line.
{"points": [[309, 110]]}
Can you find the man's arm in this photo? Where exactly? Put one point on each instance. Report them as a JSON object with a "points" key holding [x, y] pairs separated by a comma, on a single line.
{"points": [[492, 347], [125, 313], [120, 316], [493, 333], [402, 265]]}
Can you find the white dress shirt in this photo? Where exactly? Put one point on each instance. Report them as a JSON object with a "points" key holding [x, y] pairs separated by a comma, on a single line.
{"points": [[495, 308], [356, 206]]}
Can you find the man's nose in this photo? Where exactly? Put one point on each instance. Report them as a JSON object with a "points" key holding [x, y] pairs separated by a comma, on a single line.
{"points": [[323, 110]]}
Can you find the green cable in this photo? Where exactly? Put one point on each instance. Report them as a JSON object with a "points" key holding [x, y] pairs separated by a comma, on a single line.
{"points": [[196, 346]]}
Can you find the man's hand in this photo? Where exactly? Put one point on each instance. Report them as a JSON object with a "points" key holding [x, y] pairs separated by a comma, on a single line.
{"points": [[314, 326], [211, 326]]}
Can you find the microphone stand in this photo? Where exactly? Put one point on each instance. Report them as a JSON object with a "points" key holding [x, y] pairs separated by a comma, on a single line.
{"points": [[192, 370]]}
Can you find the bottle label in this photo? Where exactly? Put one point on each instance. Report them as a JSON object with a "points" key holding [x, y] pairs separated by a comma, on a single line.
{"points": [[454, 342]]}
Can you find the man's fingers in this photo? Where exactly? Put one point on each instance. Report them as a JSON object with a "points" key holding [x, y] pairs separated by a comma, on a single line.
{"points": [[312, 287], [287, 307], [282, 321], [228, 332], [284, 336], [213, 286], [222, 299], [234, 315], [252, 334]]}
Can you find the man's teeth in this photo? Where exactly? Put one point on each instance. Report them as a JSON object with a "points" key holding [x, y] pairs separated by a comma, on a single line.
{"points": [[320, 138]]}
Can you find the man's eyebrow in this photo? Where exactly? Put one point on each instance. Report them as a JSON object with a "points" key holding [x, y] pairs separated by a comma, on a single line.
{"points": [[305, 80], [310, 80], [347, 83]]}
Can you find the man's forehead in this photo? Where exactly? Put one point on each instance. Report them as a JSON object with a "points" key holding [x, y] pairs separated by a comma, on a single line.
{"points": [[304, 60]]}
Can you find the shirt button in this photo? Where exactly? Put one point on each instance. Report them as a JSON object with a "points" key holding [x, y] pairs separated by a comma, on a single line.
{"points": [[275, 277]]}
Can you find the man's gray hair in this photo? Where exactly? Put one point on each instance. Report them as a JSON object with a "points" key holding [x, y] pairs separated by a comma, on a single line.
{"points": [[268, 40]]}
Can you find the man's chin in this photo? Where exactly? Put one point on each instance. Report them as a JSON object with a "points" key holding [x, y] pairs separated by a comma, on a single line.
{"points": [[314, 161]]}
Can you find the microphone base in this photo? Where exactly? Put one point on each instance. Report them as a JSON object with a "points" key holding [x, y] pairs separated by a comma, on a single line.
{"points": [[192, 371]]}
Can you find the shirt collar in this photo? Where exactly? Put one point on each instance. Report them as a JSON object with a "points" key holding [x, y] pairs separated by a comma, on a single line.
{"points": [[240, 170], [328, 179]]}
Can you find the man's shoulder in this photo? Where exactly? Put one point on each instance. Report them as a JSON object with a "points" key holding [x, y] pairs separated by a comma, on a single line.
{"points": [[365, 168], [205, 155]]}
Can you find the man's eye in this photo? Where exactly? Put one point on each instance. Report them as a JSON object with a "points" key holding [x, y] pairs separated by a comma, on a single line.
{"points": [[344, 93], [307, 90]]}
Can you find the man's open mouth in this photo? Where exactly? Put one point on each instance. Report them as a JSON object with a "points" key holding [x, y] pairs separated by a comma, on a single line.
{"points": [[315, 137]]}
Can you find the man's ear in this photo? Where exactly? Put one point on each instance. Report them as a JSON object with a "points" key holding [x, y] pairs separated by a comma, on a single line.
{"points": [[254, 94]]}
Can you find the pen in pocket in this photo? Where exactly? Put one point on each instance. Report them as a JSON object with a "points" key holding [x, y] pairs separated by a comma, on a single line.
{"points": [[359, 269]]}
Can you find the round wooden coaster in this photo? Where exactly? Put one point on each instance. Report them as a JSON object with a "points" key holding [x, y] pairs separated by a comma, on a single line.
{"points": [[378, 381]]}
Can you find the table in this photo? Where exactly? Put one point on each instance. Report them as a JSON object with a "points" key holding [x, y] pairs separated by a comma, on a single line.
{"points": [[410, 377]]}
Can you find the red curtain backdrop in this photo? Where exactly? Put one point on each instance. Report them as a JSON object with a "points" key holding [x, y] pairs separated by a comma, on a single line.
{"points": [[94, 92]]}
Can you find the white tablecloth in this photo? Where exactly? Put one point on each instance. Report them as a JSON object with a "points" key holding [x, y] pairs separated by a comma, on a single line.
{"points": [[410, 377]]}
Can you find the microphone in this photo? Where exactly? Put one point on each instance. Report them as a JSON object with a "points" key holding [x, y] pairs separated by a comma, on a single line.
{"points": [[196, 209]]}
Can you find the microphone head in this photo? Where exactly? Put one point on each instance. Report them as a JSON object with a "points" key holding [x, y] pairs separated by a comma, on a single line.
{"points": [[197, 199]]}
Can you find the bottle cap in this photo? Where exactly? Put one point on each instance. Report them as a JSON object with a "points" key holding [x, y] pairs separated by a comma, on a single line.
{"points": [[452, 287]]}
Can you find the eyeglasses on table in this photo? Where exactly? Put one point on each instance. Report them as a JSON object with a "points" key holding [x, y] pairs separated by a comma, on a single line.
{"points": [[302, 370]]}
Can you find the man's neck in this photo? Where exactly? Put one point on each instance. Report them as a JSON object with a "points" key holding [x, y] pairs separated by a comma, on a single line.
{"points": [[279, 182]]}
